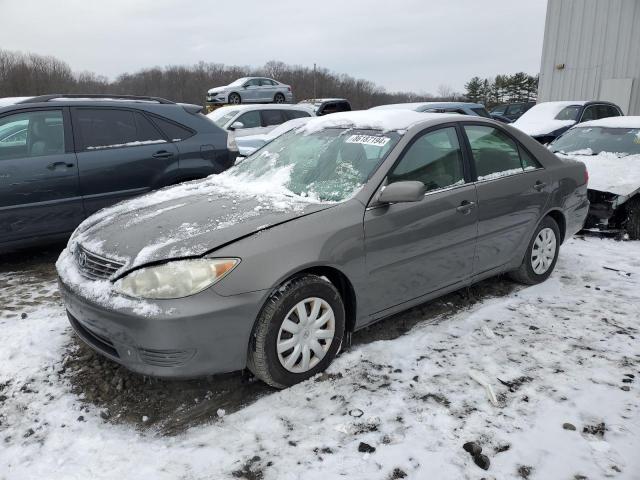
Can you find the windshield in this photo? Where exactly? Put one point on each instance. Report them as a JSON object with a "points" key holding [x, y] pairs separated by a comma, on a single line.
{"points": [[568, 113], [593, 140], [221, 117], [239, 82], [329, 165]]}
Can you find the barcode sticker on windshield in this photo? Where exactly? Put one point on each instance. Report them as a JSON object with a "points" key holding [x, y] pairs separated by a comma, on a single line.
{"points": [[368, 140]]}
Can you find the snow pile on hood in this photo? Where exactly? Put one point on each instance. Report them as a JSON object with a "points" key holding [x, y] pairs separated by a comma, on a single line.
{"points": [[610, 172], [614, 122], [385, 120], [540, 119]]}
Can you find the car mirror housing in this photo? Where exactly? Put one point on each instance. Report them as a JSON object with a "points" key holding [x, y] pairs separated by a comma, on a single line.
{"points": [[401, 192], [236, 125]]}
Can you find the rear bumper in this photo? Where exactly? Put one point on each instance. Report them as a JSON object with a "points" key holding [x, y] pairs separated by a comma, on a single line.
{"points": [[199, 335]]}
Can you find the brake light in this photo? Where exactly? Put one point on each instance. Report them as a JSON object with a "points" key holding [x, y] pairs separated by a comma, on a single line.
{"points": [[586, 176], [289, 88]]}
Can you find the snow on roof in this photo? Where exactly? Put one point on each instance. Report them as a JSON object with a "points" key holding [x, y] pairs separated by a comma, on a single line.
{"points": [[385, 120], [6, 101], [403, 106], [540, 119], [613, 122]]}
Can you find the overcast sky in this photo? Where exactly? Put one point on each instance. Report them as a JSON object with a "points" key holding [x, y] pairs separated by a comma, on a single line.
{"points": [[414, 45]]}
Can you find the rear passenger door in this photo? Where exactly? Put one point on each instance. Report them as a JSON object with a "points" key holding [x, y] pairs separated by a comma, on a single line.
{"points": [[512, 194], [39, 189], [413, 249], [120, 154]]}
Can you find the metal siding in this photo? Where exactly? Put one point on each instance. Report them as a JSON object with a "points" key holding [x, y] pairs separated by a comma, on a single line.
{"points": [[596, 40]]}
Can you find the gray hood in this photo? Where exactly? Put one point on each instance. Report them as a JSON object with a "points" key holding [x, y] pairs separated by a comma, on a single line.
{"points": [[187, 220], [218, 89]]}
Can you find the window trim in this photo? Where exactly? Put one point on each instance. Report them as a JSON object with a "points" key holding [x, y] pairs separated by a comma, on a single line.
{"points": [[471, 160]]}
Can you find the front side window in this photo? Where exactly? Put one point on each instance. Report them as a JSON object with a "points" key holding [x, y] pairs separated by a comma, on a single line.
{"points": [[250, 119], [495, 154], [111, 128], [32, 134], [328, 165], [253, 83], [568, 113], [590, 113], [434, 159]]}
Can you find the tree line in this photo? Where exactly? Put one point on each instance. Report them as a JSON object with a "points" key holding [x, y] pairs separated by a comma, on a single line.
{"points": [[519, 87], [27, 74]]}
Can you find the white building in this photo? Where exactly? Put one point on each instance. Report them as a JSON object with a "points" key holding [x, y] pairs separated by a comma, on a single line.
{"points": [[592, 52]]}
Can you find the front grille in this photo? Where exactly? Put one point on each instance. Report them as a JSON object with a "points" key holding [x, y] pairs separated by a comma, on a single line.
{"points": [[99, 342], [94, 266], [165, 358]]}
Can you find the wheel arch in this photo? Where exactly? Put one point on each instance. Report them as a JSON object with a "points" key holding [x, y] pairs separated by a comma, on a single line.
{"points": [[560, 219]]}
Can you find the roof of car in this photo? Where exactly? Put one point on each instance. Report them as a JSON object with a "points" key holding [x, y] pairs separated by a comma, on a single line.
{"points": [[626, 121], [258, 106], [323, 100], [416, 105]]}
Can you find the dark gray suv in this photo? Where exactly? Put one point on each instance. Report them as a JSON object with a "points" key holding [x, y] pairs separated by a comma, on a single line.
{"points": [[63, 157]]}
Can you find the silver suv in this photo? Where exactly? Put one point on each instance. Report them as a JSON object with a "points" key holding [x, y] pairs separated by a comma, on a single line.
{"points": [[251, 90]]}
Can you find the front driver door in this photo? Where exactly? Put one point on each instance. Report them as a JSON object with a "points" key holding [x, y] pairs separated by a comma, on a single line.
{"points": [[413, 249], [39, 190]]}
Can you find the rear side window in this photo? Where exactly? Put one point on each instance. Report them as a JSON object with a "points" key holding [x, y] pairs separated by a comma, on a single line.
{"points": [[173, 131], [111, 128], [31, 134], [291, 114], [605, 111], [481, 112], [434, 159], [495, 154], [272, 117]]}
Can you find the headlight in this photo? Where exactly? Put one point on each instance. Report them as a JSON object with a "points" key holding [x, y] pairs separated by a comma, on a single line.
{"points": [[177, 279]]}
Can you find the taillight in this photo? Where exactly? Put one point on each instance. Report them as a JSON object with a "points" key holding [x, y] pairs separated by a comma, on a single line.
{"points": [[586, 176], [289, 88]]}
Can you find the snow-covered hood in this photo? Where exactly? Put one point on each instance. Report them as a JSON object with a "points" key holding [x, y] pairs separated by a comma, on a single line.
{"points": [[187, 220], [536, 128], [608, 172], [218, 89]]}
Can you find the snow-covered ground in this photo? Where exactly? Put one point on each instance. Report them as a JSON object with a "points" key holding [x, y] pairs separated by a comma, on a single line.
{"points": [[563, 359]]}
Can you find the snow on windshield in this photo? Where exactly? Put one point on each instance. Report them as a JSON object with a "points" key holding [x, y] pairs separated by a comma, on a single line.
{"points": [[591, 140]]}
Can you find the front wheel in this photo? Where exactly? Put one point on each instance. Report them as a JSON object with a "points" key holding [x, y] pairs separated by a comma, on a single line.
{"points": [[298, 332], [234, 99], [279, 98], [541, 255]]}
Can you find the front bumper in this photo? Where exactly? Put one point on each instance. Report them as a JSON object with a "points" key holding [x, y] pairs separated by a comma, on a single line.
{"points": [[220, 98], [194, 336]]}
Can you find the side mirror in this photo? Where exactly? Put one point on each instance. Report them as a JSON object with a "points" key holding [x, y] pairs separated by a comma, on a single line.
{"points": [[400, 192], [236, 126]]}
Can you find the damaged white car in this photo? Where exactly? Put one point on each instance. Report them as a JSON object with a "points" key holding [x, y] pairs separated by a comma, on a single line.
{"points": [[610, 148]]}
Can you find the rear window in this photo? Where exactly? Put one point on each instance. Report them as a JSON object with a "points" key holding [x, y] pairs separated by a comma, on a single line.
{"points": [[173, 131]]}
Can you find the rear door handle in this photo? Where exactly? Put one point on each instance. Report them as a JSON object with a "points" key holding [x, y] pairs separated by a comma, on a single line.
{"points": [[162, 154], [465, 207], [539, 186], [54, 165]]}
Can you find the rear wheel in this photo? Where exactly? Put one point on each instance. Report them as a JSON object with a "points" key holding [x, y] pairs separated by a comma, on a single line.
{"points": [[279, 98], [541, 255], [234, 99], [633, 218], [298, 332]]}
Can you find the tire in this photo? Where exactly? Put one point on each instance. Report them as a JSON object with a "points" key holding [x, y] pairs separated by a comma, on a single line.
{"points": [[537, 265], [279, 98], [632, 225], [270, 330], [234, 99]]}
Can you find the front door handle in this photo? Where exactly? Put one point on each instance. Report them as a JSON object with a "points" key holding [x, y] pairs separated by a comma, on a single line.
{"points": [[539, 186], [54, 165], [465, 207], [162, 154]]}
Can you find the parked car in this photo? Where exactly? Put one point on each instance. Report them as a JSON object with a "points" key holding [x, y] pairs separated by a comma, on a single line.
{"points": [[325, 106], [352, 218], [512, 111], [251, 90], [463, 108], [250, 143], [242, 120], [610, 148], [548, 120], [500, 118], [66, 156]]}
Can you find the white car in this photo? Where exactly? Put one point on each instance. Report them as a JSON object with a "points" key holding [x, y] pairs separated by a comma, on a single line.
{"points": [[610, 148], [250, 143], [251, 90], [243, 120]]}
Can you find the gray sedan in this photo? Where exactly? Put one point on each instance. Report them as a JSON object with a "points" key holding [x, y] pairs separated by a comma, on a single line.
{"points": [[346, 220], [251, 90]]}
